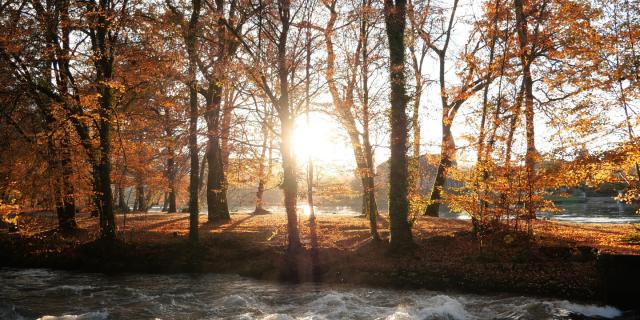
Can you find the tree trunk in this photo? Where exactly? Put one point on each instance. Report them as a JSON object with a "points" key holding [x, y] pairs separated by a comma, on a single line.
{"points": [[172, 201], [449, 110], [343, 105], [140, 198], [227, 116], [312, 214], [171, 177], [368, 187], [165, 202], [193, 156], [123, 206], [447, 152], [217, 207], [530, 158], [190, 42], [399, 227], [103, 47], [289, 183], [261, 172], [104, 195], [67, 216], [259, 195], [414, 162]]}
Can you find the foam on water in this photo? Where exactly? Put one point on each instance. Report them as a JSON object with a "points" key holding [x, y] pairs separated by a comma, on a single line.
{"points": [[606, 312], [232, 297], [278, 316], [75, 289], [98, 315], [236, 301], [443, 307]]}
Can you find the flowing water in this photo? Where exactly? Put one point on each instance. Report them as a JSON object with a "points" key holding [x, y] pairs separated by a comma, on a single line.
{"points": [[592, 210], [47, 294], [595, 210]]}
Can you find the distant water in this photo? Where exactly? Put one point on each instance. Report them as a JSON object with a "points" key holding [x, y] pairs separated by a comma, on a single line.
{"points": [[304, 210], [594, 210], [51, 295], [602, 210]]}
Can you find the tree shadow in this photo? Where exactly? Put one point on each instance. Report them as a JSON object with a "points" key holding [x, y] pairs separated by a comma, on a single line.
{"points": [[593, 229], [316, 272], [226, 224], [148, 227]]}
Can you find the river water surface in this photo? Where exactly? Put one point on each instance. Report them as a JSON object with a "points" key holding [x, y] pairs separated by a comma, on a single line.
{"points": [[601, 210], [47, 294]]}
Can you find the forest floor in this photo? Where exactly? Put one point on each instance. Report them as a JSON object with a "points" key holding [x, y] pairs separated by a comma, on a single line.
{"points": [[561, 261]]}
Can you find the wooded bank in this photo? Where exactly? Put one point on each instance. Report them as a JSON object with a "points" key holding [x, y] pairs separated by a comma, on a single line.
{"points": [[593, 263]]}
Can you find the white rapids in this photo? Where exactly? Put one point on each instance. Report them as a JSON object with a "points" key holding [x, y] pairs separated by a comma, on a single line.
{"points": [[57, 295]]}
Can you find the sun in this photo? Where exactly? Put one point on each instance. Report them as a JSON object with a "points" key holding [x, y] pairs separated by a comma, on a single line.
{"points": [[323, 139]]}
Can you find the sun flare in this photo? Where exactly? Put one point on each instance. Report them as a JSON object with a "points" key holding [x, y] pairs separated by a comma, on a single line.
{"points": [[323, 140]]}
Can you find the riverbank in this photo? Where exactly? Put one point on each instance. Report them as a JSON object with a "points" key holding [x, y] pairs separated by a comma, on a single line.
{"points": [[564, 260]]}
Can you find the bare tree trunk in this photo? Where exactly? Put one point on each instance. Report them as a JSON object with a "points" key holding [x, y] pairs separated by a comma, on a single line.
{"points": [[343, 104], [63, 190], [447, 146], [414, 162], [227, 116], [312, 215], [217, 206], [368, 185], [123, 207], [171, 168], [141, 200], [262, 174], [289, 183], [165, 202], [482, 150], [509, 143], [447, 151], [67, 217], [171, 175], [190, 41], [399, 227], [530, 158]]}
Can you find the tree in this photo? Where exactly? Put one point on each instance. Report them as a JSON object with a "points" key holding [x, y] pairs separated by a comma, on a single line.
{"points": [[88, 106], [451, 100], [227, 21], [273, 28], [344, 105], [399, 227], [190, 35]]}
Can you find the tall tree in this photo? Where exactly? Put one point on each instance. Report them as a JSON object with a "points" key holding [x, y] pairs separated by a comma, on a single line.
{"points": [[399, 226], [344, 100], [88, 106], [287, 125], [190, 34], [527, 81], [451, 99], [273, 27], [228, 21], [307, 97]]}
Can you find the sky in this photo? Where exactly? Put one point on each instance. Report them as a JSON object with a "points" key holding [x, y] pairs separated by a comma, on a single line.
{"points": [[328, 143]]}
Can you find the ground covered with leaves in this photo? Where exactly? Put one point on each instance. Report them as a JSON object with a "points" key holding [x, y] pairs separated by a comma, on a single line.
{"points": [[561, 261]]}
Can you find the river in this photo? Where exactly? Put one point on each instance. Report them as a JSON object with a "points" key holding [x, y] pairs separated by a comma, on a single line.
{"points": [[50, 295], [602, 210]]}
